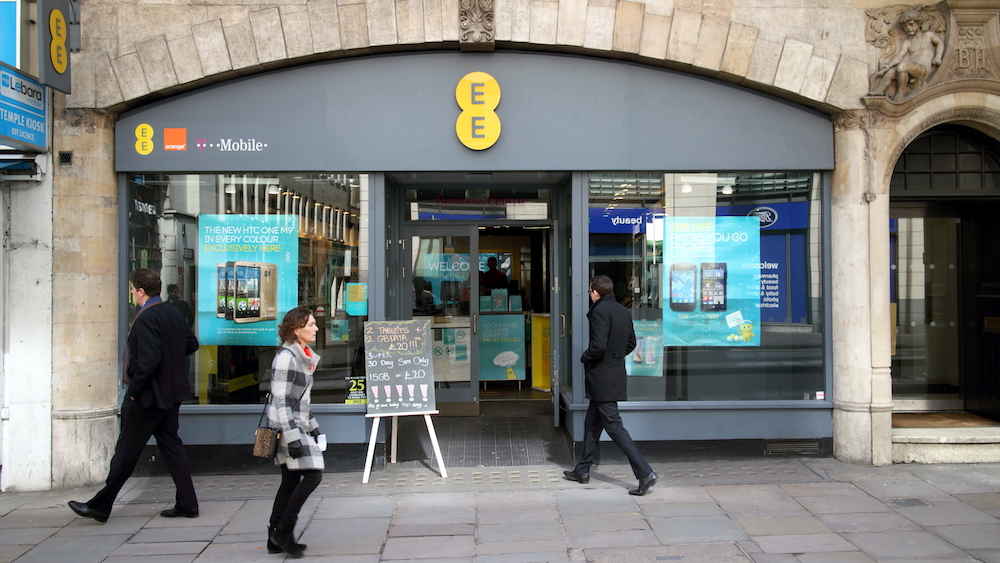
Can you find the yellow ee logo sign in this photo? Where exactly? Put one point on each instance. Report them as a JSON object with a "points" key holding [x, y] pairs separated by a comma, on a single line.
{"points": [[144, 139], [478, 126], [57, 47]]}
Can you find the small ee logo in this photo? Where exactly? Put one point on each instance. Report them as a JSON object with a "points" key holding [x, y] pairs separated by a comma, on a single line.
{"points": [[144, 139], [478, 126]]}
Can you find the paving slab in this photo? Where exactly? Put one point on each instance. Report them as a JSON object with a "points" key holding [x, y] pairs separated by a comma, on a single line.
{"points": [[538, 546], [618, 538], [38, 518], [514, 500], [419, 530], [700, 553], [534, 531], [604, 522], [946, 513], [782, 525], [232, 552], [25, 536], [538, 557], [870, 522], [94, 550], [695, 529], [591, 501], [905, 544], [840, 557], [516, 516], [803, 543], [436, 548], [842, 504], [674, 510], [154, 559], [747, 501], [356, 507], [88, 526], [971, 537], [186, 533], [171, 548], [434, 515], [359, 536], [11, 552]]}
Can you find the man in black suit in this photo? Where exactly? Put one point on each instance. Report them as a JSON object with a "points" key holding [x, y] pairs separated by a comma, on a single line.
{"points": [[156, 376], [612, 339]]}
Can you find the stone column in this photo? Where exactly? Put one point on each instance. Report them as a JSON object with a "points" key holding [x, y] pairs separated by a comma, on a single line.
{"points": [[862, 393], [85, 298]]}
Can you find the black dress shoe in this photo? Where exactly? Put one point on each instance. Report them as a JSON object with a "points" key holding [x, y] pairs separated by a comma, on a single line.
{"points": [[178, 512], [82, 509], [644, 484], [583, 478]]}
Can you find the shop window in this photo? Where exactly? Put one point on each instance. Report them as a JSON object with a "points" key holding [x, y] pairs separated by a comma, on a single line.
{"points": [[722, 274], [236, 251]]}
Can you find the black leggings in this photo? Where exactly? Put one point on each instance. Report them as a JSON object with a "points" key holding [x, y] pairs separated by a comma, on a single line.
{"points": [[295, 488]]}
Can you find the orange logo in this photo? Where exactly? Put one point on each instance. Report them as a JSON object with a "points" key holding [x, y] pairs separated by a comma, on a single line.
{"points": [[175, 139]]}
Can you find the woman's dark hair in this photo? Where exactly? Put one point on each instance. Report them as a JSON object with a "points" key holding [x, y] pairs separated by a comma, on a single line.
{"points": [[294, 320]]}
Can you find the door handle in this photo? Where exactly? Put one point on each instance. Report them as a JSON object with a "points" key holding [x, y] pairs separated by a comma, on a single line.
{"points": [[475, 323], [563, 319]]}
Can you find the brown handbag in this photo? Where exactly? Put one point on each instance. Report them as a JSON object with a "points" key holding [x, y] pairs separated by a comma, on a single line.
{"points": [[265, 439]]}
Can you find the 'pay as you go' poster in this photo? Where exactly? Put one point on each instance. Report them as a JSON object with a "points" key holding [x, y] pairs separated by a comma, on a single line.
{"points": [[711, 287], [247, 277]]}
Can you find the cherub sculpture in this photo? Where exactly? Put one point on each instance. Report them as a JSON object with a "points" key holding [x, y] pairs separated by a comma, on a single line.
{"points": [[911, 58]]}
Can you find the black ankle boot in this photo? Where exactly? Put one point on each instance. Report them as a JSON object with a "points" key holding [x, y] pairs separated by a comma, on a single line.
{"points": [[271, 546], [285, 538]]}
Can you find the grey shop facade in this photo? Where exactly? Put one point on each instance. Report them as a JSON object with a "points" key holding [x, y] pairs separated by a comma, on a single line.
{"points": [[375, 189]]}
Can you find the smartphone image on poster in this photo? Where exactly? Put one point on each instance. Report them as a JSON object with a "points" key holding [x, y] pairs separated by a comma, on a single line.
{"points": [[268, 291], [221, 284], [682, 286], [247, 307], [713, 286], [637, 353], [230, 291]]}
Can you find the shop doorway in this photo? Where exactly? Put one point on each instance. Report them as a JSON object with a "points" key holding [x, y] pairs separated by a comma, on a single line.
{"points": [[478, 257], [945, 278]]}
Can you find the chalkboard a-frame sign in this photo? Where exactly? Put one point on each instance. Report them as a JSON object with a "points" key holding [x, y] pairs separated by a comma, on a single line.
{"points": [[399, 368]]}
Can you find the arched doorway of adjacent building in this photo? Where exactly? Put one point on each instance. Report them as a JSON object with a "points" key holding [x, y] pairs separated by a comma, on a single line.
{"points": [[945, 277]]}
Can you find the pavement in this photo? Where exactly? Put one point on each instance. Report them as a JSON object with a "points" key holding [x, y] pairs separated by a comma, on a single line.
{"points": [[763, 511]]}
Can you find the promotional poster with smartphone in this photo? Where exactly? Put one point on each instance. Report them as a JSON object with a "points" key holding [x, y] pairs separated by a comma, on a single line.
{"points": [[712, 284], [247, 277]]}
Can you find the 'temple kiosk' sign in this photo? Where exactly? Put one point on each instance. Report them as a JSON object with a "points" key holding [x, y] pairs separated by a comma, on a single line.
{"points": [[399, 367]]}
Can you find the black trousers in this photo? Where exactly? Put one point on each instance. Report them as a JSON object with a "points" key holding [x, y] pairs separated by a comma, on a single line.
{"points": [[137, 425], [295, 488], [604, 416]]}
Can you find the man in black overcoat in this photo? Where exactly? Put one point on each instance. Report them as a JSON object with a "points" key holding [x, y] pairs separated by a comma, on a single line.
{"points": [[156, 375], [612, 339]]}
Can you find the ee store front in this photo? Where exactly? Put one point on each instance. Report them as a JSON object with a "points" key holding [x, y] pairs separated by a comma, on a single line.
{"points": [[704, 202]]}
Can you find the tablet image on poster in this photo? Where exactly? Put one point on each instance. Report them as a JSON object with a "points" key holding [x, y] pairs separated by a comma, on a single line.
{"points": [[248, 268], [713, 287]]}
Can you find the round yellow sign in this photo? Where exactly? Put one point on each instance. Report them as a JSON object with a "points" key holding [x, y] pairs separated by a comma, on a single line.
{"points": [[478, 126]]}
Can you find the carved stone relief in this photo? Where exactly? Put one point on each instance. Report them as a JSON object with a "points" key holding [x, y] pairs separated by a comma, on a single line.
{"points": [[476, 21], [970, 58], [912, 46]]}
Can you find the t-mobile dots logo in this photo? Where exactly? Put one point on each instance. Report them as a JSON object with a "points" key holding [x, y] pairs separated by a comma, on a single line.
{"points": [[202, 143]]}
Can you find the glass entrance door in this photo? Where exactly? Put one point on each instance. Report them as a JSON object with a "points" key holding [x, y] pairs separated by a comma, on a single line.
{"points": [[441, 260], [926, 296]]}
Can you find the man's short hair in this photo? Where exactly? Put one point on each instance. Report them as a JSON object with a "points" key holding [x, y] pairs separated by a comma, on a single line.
{"points": [[173, 287], [602, 285], [146, 280]]}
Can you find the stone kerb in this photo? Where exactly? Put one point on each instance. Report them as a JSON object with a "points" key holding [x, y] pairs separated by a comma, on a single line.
{"points": [[246, 42]]}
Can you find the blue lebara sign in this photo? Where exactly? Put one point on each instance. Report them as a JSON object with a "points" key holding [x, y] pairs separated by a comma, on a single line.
{"points": [[711, 290], [23, 114]]}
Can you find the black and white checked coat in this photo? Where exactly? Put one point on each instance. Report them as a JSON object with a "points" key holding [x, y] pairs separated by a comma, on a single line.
{"points": [[291, 385]]}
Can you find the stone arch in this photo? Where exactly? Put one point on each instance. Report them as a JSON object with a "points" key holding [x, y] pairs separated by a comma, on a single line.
{"points": [[978, 110], [177, 57]]}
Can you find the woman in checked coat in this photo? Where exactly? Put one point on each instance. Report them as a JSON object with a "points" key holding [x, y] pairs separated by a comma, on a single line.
{"points": [[298, 454]]}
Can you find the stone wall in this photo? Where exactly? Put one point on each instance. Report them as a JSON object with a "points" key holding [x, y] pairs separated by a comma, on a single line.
{"points": [[812, 52]]}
